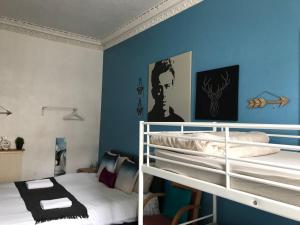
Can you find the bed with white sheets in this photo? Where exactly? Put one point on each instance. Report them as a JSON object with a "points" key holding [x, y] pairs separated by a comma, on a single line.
{"points": [[104, 205], [253, 164]]}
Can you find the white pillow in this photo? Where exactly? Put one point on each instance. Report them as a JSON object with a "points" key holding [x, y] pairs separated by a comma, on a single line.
{"points": [[217, 148], [127, 176], [120, 161]]}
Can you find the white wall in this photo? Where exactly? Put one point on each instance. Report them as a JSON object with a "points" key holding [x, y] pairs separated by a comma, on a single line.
{"points": [[36, 72]]}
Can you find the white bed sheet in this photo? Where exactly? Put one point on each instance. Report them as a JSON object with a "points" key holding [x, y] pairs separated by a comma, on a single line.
{"points": [[104, 205], [258, 171]]}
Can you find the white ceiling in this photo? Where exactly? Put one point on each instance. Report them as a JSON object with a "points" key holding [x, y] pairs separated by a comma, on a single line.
{"points": [[94, 18]]}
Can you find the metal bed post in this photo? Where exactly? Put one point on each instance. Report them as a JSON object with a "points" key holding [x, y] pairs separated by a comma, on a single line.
{"points": [[226, 158], [214, 196], [214, 209], [214, 128], [148, 142], [141, 178]]}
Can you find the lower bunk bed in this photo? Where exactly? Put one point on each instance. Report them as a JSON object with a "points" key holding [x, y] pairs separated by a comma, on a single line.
{"points": [[234, 161]]}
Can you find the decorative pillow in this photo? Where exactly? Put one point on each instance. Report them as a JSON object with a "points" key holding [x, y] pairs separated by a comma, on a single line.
{"points": [[127, 176], [109, 161], [147, 183], [174, 199], [120, 161], [108, 178]]}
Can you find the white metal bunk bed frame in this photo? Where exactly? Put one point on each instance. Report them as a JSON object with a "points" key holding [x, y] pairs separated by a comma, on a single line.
{"points": [[263, 203]]}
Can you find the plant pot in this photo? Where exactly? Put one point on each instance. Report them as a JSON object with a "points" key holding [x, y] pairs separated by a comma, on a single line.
{"points": [[19, 146]]}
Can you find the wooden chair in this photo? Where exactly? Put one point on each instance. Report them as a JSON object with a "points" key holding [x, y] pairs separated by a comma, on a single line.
{"points": [[192, 209]]}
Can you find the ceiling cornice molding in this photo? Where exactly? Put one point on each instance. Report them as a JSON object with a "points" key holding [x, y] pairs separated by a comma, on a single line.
{"points": [[160, 12], [52, 34]]}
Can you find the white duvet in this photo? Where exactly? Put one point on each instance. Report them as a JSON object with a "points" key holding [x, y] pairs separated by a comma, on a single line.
{"points": [[104, 205], [209, 146]]}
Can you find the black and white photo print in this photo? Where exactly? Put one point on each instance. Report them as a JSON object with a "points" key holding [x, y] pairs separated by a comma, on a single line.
{"points": [[169, 89], [217, 94], [60, 156]]}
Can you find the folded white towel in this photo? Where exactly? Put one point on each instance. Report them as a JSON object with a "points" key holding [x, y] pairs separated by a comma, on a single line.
{"points": [[56, 203], [35, 184]]}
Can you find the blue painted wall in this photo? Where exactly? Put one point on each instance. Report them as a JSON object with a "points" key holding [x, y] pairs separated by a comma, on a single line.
{"points": [[262, 36]]}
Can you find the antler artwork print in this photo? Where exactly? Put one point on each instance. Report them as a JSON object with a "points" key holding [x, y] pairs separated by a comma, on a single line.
{"points": [[215, 96]]}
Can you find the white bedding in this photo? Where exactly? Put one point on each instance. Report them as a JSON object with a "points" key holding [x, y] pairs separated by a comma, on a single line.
{"points": [[104, 205], [259, 171], [178, 140]]}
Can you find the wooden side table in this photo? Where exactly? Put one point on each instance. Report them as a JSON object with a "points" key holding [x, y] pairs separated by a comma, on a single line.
{"points": [[87, 170], [10, 165]]}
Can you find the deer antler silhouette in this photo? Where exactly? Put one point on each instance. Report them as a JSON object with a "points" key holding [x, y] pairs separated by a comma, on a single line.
{"points": [[214, 96]]}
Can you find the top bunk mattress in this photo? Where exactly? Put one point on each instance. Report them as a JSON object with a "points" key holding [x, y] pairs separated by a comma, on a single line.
{"points": [[213, 143]]}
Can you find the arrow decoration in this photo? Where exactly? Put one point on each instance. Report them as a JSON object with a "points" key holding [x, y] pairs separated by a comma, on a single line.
{"points": [[262, 102], [5, 111]]}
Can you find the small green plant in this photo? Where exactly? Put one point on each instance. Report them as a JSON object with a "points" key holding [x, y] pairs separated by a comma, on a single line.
{"points": [[19, 143]]}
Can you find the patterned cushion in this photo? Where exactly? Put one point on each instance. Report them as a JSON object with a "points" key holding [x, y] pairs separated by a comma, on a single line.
{"points": [[107, 178], [109, 161], [147, 183], [121, 159], [127, 176]]}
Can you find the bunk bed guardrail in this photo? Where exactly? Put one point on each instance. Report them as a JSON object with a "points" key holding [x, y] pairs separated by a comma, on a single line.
{"points": [[226, 191]]}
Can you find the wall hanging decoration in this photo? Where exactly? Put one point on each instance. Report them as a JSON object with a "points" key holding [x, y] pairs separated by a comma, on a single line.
{"points": [[217, 94], [140, 92], [140, 108], [72, 116], [169, 89], [140, 87], [60, 156], [4, 143], [260, 101], [4, 111]]}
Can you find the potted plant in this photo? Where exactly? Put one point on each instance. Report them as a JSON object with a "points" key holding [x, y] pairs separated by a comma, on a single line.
{"points": [[19, 143]]}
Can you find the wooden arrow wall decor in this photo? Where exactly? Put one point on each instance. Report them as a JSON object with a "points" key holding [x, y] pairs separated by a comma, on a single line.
{"points": [[260, 102]]}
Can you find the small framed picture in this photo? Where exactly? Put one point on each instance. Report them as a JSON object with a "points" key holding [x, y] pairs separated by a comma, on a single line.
{"points": [[217, 94]]}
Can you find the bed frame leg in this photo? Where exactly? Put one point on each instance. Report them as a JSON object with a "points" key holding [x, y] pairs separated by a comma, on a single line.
{"points": [[214, 209], [141, 175], [141, 199]]}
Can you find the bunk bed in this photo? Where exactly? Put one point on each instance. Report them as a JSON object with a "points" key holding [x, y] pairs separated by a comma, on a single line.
{"points": [[253, 164]]}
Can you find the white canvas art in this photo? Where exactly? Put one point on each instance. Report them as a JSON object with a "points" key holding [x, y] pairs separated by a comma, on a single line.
{"points": [[169, 89]]}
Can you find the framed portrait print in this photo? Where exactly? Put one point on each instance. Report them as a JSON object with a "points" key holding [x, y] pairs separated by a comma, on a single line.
{"points": [[169, 89], [60, 156]]}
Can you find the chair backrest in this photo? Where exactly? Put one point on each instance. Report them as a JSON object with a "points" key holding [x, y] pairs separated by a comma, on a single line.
{"points": [[195, 200]]}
